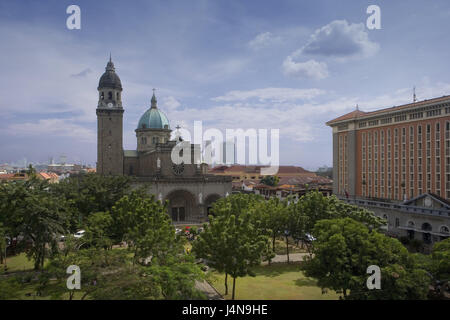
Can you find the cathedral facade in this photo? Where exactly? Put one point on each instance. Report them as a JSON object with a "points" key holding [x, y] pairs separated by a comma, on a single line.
{"points": [[188, 188]]}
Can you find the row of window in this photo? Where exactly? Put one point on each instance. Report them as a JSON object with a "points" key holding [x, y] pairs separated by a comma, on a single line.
{"points": [[155, 140], [404, 117], [370, 167]]}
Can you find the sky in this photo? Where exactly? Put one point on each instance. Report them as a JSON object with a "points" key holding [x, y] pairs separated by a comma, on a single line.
{"points": [[288, 64]]}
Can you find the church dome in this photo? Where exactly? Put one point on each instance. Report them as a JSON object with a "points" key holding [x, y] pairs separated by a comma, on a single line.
{"points": [[153, 118], [110, 79]]}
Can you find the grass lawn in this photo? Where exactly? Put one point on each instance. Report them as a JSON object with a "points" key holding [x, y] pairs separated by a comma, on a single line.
{"points": [[280, 247], [279, 281], [19, 262]]}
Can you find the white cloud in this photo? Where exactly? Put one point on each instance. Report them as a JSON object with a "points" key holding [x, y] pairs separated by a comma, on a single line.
{"points": [[170, 103], [297, 119], [264, 40], [52, 127], [342, 40], [309, 69], [273, 94]]}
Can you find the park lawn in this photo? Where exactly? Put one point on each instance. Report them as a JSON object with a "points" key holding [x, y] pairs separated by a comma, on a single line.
{"points": [[19, 262], [280, 247], [279, 281]]}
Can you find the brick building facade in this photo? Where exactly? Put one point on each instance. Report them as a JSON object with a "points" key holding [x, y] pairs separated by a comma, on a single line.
{"points": [[396, 153]]}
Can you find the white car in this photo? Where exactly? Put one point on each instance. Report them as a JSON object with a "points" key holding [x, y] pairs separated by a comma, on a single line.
{"points": [[79, 234], [309, 237], [178, 231]]}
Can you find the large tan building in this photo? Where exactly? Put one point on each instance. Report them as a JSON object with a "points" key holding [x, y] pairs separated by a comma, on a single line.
{"points": [[396, 153]]}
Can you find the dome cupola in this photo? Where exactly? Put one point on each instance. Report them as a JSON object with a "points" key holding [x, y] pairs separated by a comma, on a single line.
{"points": [[153, 118], [110, 79]]}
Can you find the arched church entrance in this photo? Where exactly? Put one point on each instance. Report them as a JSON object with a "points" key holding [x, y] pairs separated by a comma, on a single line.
{"points": [[181, 205], [210, 199]]}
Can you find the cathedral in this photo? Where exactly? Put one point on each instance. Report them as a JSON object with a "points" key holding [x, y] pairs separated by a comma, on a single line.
{"points": [[188, 188]]}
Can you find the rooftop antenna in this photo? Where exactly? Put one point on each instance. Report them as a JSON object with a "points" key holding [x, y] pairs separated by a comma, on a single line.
{"points": [[357, 107], [414, 95]]}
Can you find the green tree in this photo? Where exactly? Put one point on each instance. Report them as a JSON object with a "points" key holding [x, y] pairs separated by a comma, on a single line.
{"points": [[98, 230], [146, 226], [440, 259], [90, 193], [3, 244], [270, 180], [314, 206], [34, 216], [232, 244], [345, 248], [270, 216]]}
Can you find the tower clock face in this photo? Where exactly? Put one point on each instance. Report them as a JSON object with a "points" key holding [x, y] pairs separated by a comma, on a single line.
{"points": [[110, 105], [178, 169]]}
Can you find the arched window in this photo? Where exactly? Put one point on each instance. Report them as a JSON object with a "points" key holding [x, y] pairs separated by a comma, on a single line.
{"points": [[110, 95], [118, 96], [445, 229], [411, 224], [426, 227]]}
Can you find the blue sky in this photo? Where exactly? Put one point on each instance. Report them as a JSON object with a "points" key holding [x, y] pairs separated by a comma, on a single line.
{"points": [[291, 65]]}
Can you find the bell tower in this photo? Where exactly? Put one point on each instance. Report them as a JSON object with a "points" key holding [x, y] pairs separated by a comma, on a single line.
{"points": [[110, 123]]}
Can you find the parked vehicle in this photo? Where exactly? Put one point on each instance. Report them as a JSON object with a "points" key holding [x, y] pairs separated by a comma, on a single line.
{"points": [[79, 234], [309, 237]]}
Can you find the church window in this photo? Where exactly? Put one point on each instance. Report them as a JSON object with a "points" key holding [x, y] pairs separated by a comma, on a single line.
{"points": [[117, 96], [110, 95]]}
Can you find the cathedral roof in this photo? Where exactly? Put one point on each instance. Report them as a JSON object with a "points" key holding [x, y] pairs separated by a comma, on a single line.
{"points": [[110, 79], [153, 118]]}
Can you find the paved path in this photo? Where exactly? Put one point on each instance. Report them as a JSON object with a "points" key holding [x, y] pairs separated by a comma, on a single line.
{"points": [[293, 257], [210, 292]]}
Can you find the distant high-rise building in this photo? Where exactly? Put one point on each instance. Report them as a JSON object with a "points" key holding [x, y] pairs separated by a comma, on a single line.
{"points": [[229, 152]]}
